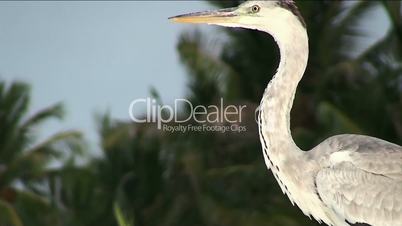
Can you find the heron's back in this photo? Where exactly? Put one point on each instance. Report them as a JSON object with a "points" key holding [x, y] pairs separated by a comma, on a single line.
{"points": [[359, 178]]}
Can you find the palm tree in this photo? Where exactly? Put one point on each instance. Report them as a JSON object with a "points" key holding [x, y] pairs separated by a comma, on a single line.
{"points": [[118, 187], [148, 177], [24, 163]]}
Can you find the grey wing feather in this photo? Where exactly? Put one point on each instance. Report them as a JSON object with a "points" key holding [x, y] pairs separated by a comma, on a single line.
{"points": [[361, 179]]}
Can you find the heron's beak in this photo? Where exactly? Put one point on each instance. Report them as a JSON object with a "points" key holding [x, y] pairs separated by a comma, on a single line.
{"points": [[207, 17]]}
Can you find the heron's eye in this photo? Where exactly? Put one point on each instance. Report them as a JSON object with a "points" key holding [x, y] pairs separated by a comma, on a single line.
{"points": [[255, 8]]}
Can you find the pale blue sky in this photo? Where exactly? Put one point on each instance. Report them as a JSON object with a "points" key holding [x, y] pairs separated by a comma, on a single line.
{"points": [[92, 56], [95, 56]]}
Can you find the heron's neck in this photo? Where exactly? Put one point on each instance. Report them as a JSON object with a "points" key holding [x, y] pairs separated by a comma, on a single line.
{"points": [[278, 97]]}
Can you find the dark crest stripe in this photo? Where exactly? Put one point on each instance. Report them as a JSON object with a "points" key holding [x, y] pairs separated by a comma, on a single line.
{"points": [[291, 6], [264, 143]]}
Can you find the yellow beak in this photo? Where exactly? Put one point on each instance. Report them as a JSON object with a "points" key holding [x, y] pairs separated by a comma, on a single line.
{"points": [[207, 17]]}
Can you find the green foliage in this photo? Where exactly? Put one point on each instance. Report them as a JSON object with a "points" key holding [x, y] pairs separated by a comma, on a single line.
{"points": [[24, 163], [8, 216], [121, 219]]}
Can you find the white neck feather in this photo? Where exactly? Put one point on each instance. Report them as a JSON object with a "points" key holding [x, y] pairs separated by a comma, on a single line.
{"points": [[277, 101], [281, 154]]}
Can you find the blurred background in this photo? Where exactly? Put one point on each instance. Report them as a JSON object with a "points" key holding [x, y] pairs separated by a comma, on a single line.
{"points": [[69, 155]]}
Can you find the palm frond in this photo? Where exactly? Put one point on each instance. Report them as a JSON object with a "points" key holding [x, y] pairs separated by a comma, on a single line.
{"points": [[122, 220], [8, 215], [55, 111], [393, 9], [14, 104], [200, 56], [31, 208], [33, 162], [347, 31]]}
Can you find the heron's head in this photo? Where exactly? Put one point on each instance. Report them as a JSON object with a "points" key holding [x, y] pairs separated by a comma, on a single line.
{"points": [[268, 15]]}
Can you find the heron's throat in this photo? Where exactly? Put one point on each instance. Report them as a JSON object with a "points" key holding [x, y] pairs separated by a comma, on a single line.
{"points": [[279, 95]]}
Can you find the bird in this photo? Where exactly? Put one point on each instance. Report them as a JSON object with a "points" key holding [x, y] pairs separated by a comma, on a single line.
{"points": [[347, 179]]}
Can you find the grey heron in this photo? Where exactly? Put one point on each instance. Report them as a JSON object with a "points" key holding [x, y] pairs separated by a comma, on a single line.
{"points": [[345, 180]]}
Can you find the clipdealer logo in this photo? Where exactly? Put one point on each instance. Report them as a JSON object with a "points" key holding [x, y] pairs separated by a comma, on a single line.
{"points": [[211, 118]]}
